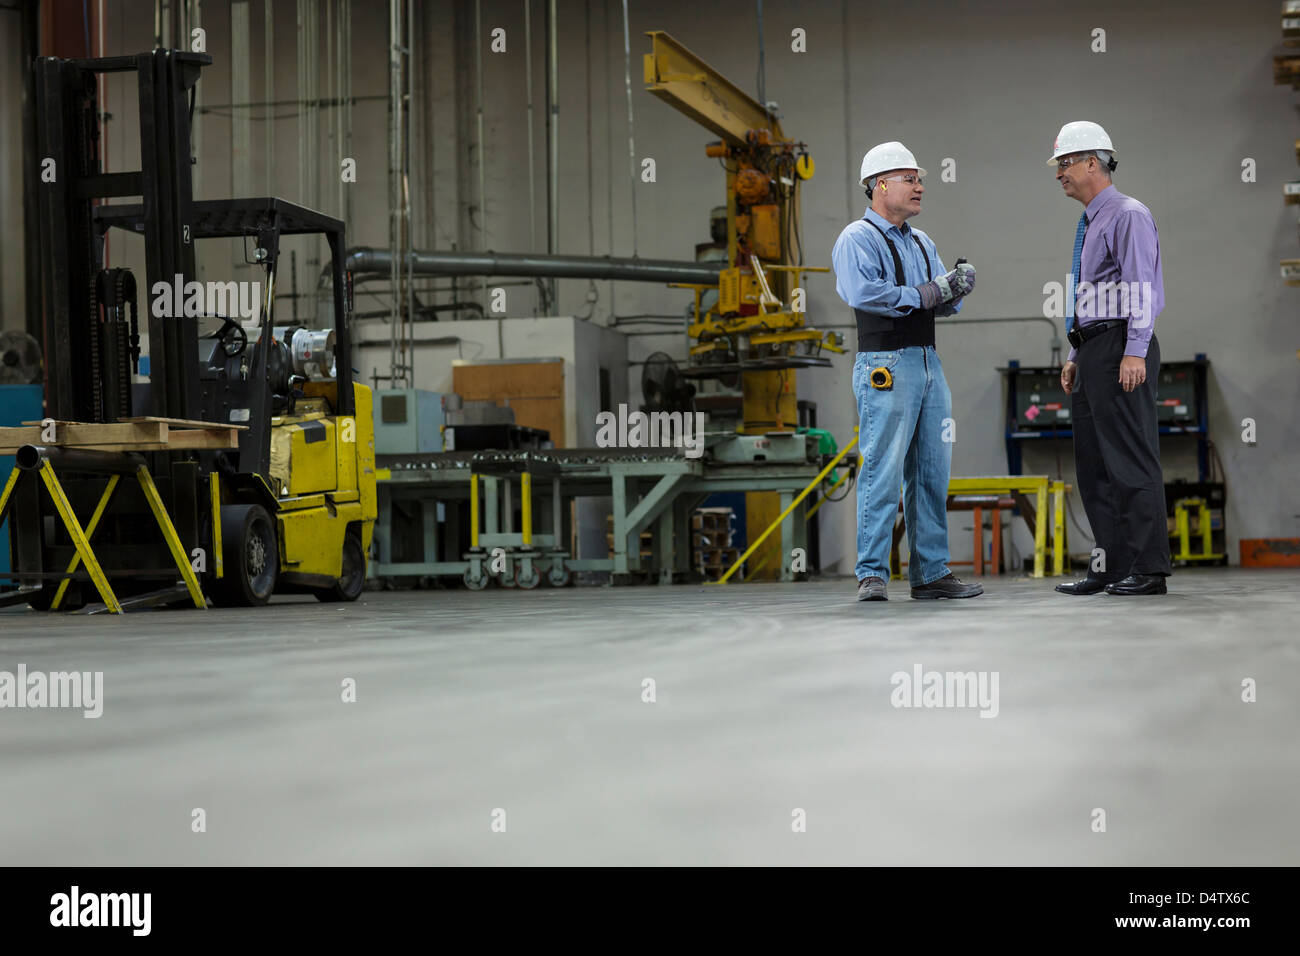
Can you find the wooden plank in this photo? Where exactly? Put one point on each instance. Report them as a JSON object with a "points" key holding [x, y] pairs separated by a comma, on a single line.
{"points": [[185, 422], [86, 434], [114, 434], [192, 439], [535, 390], [203, 438], [18, 435]]}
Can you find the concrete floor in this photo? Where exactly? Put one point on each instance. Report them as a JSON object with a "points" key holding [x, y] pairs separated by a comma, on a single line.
{"points": [[769, 698]]}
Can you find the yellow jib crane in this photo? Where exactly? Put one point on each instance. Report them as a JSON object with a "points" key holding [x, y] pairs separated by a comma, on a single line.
{"points": [[757, 329]]}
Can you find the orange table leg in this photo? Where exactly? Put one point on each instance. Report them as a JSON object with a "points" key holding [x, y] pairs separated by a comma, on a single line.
{"points": [[979, 540], [997, 541]]}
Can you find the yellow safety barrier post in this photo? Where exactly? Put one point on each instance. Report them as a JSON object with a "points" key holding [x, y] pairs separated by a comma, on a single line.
{"points": [[90, 533], [1204, 518], [214, 488], [782, 516], [1058, 528], [1040, 529], [526, 505], [4, 495], [1184, 533], [170, 536], [473, 510], [79, 540]]}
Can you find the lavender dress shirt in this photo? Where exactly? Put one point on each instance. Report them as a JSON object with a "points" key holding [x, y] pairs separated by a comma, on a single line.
{"points": [[1119, 272]]}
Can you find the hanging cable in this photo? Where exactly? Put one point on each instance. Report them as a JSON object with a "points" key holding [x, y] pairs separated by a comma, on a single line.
{"points": [[528, 96], [631, 136]]}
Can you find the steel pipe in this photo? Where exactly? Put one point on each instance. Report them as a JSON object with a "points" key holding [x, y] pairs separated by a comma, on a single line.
{"points": [[29, 458], [367, 260]]}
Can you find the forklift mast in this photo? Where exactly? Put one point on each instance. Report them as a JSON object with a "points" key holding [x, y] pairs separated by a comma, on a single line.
{"points": [[90, 337], [84, 361]]}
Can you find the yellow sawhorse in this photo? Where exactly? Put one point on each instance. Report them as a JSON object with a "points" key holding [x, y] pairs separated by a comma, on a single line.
{"points": [[1040, 486], [81, 536]]}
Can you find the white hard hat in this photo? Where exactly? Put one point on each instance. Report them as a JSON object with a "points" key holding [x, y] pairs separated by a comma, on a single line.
{"points": [[1079, 137], [887, 156]]}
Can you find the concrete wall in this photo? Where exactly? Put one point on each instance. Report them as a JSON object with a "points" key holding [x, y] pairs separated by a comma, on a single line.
{"points": [[1185, 91]]}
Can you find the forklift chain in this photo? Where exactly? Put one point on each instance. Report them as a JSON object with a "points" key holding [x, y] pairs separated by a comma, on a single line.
{"points": [[96, 380]]}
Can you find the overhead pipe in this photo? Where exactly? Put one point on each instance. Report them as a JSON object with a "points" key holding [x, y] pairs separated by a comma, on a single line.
{"points": [[365, 262], [368, 260]]}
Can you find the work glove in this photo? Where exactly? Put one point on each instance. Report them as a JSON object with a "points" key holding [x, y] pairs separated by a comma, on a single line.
{"points": [[951, 285], [962, 279]]}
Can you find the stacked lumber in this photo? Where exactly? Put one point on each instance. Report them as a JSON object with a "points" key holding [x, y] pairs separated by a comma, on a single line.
{"points": [[128, 434]]}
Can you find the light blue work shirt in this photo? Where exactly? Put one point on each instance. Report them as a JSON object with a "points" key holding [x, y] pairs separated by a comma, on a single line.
{"points": [[864, 269]]}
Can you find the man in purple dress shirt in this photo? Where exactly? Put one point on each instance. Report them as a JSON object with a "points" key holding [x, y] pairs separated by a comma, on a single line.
{"points": [[1112, 369]]}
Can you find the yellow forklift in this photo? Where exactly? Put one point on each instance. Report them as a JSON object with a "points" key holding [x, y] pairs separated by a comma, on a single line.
{"points": [[274, 490]]}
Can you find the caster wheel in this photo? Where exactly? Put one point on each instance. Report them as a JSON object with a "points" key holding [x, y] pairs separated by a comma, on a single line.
{"points": [[474, 583], [559, 577], [527, 581]]}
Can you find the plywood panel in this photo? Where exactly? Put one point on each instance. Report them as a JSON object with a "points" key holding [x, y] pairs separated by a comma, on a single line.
{"points": [[535, 390], [545, 413], [506, 380]]}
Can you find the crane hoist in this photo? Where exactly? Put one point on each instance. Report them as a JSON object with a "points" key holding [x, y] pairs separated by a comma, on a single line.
{"points": [[757, 328]]}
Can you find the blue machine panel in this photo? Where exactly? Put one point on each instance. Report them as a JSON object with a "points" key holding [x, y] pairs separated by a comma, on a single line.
{"points": [[407, 421], [18, 404]]}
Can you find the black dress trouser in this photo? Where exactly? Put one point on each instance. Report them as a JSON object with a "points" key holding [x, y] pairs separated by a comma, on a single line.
{"points": [[1117, 458]]}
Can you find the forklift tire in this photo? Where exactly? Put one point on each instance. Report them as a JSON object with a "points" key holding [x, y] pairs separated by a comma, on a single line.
{"points": [[251, 557], [353, 579]]}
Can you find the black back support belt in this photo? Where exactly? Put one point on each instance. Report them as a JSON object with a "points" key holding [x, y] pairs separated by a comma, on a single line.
{"points": [[884, 333]]}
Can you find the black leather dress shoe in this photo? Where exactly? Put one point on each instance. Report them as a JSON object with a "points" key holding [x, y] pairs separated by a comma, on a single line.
{"points": [[1139, 584], [1085, 586]]}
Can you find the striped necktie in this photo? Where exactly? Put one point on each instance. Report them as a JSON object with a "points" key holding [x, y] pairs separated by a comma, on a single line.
{"points": [[1074, 266]]}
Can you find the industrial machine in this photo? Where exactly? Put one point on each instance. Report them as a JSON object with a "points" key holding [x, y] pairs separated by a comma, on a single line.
{"points": [[510, 512], [754, 325], [408, 420], [272, 487], [20, 401], [1037, 407]]}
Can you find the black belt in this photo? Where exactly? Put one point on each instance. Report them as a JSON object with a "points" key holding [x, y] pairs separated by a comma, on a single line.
{"points": [[1082, 333]]}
